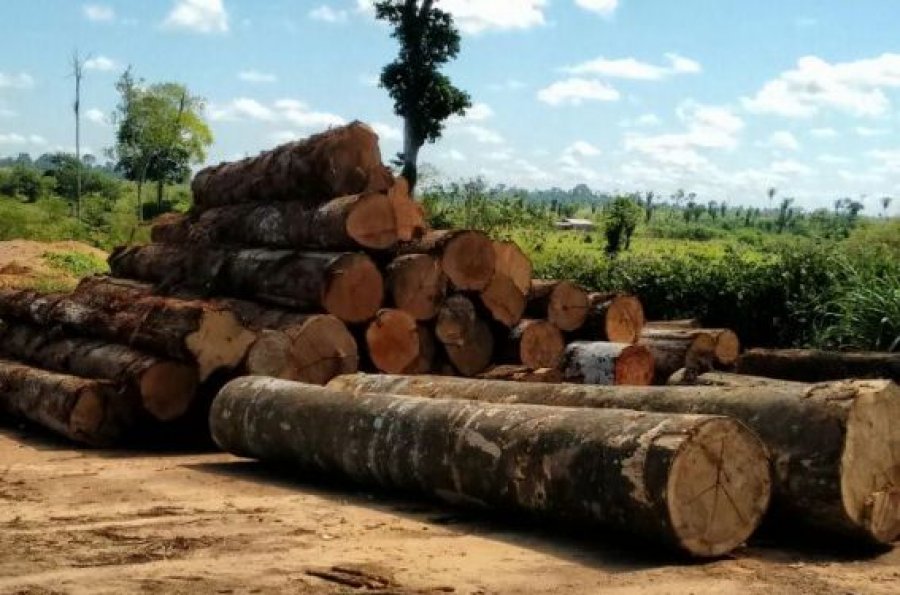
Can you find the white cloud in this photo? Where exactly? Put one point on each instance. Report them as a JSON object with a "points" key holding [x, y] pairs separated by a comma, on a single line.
{"points": [[790, 168], [582, 148], [282, 136], [369, 80], [22, 80], [328, 14], [255, 76], [856, 88], [305, 118], [603, 7], [199, 16], [96, 116], [504, 155], [290, 111], [13, 138], [242, 108], [101, 63], [631, 68], [99, 12], [479, 16], [507, 85], [866, 131], [455, 155], [783, 140], [833, 159], [575, 91], [479, 112], [889, 159], [5, 112], [823, 132], [386, 131], [484, 135]]}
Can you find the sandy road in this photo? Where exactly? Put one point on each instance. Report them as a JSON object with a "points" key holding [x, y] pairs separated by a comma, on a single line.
{"points": [[80, 521]]}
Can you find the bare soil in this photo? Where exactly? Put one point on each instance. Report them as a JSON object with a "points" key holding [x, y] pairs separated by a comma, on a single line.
{"points": [[23, 266], [88, 521]]}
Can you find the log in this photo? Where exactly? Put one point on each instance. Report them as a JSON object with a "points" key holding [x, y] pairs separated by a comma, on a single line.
{"points": [[189, 330], [306, 347], [396, 342], [514, 264], [522, 374], [693, 351], [456, 320], [417, 285], [535, 344], [683, 323], [472, 355], [727, 345], [612, 317], [810, 365], [833, 446], [93, 412], [685, 377], [561, 302], [170, 228], [339, 162], [347, 285], [503, 299], [597, 362], [467, 257], [166, 388], [655, 476], [408, 214]]}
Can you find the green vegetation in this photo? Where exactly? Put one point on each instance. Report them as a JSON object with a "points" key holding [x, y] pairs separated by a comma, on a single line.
{"points": [[77, 264]]}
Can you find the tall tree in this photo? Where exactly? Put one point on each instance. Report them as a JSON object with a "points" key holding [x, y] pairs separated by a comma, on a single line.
{"points": [[423, 96], [77, 74]]}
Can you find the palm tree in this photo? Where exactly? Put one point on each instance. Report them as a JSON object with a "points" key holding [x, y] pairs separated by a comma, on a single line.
{"points": [[885, 205]]}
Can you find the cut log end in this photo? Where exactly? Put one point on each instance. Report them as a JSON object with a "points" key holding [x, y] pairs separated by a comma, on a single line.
{"points": [[512, 262], [718, 487], [568, 306], [504, 300], [372, 223], [417, 284], [542, 344], [220, 342], [728, 347], [167, 390], [356, 289], [397, 344], [86, 419], [624, 319], [635, 366], [870, 473], [408, 214], [468, 261], [473, 355]]}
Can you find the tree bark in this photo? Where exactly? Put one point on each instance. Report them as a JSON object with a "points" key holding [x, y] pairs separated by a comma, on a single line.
{"points": [[685, 377], [467, 257], [347, 285], [166, 388], [340, 162], [398, 344], [694, 351], [727, 345], [809, 365], [833, 446], [522, 374], [561, 302], [417, 285], [170, 228], [188, 330], [472, 354], [93, 412], [612, 317], [535, 344], [638, 472], [607, 363], [684, 323]]}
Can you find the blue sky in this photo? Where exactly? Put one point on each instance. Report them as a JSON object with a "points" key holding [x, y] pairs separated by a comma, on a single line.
{"points": [[722, 97]]}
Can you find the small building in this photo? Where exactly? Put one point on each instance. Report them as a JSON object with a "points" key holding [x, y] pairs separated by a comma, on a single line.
{"points": [[576, 224]]}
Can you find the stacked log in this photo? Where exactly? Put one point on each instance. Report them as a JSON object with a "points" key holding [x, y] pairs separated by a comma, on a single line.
{"points": [[656, 476], [834, 446], [810, 365]]}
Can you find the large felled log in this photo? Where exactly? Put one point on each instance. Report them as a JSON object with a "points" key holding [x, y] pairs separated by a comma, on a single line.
{"points": [[695, 351], [522, 374], [466, 256], [467, 339], [727, 345], [514, 264], [612, 317], [166, 388], [506, 296], [810, 365], [94, 412], [188, 330], [685, 377], [597, 362], [834, 447], [662, 477], [417, 285], [171, 228], [682, 323], [347, 285], [306, 347], [340, 162], [408, 214], [535, 344], [396, 342], [561, 302]]}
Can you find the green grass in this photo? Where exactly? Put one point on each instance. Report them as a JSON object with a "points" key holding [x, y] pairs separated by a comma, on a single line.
{"points": [[76, 264]]}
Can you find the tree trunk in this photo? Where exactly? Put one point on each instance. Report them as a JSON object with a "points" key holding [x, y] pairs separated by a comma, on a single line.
{"points": [[607, 363], [612, 317], [188, 330], [694, 351], [347, 285], [833, 446], [685, 377], [166, 388], [93, 412], [411, 146], [535, 344], [656, 476], [467, 257], [809, 365], [171, 228], [727, 345], [522, 374], [561, 302], [339, 162], [417, 285], [398, 344], [159, 195]]}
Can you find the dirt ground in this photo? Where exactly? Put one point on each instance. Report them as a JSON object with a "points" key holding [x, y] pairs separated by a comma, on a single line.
{"points": [[22, 263], [82, 521]]}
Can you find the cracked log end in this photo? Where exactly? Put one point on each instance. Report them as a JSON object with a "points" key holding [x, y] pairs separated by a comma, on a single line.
{"points": [[397, 344], [220, 342], [372, 223], [624, 319], [504, 300], [870, 466], [355, 288], [568, 306], [168, 389], [718, 487]]}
